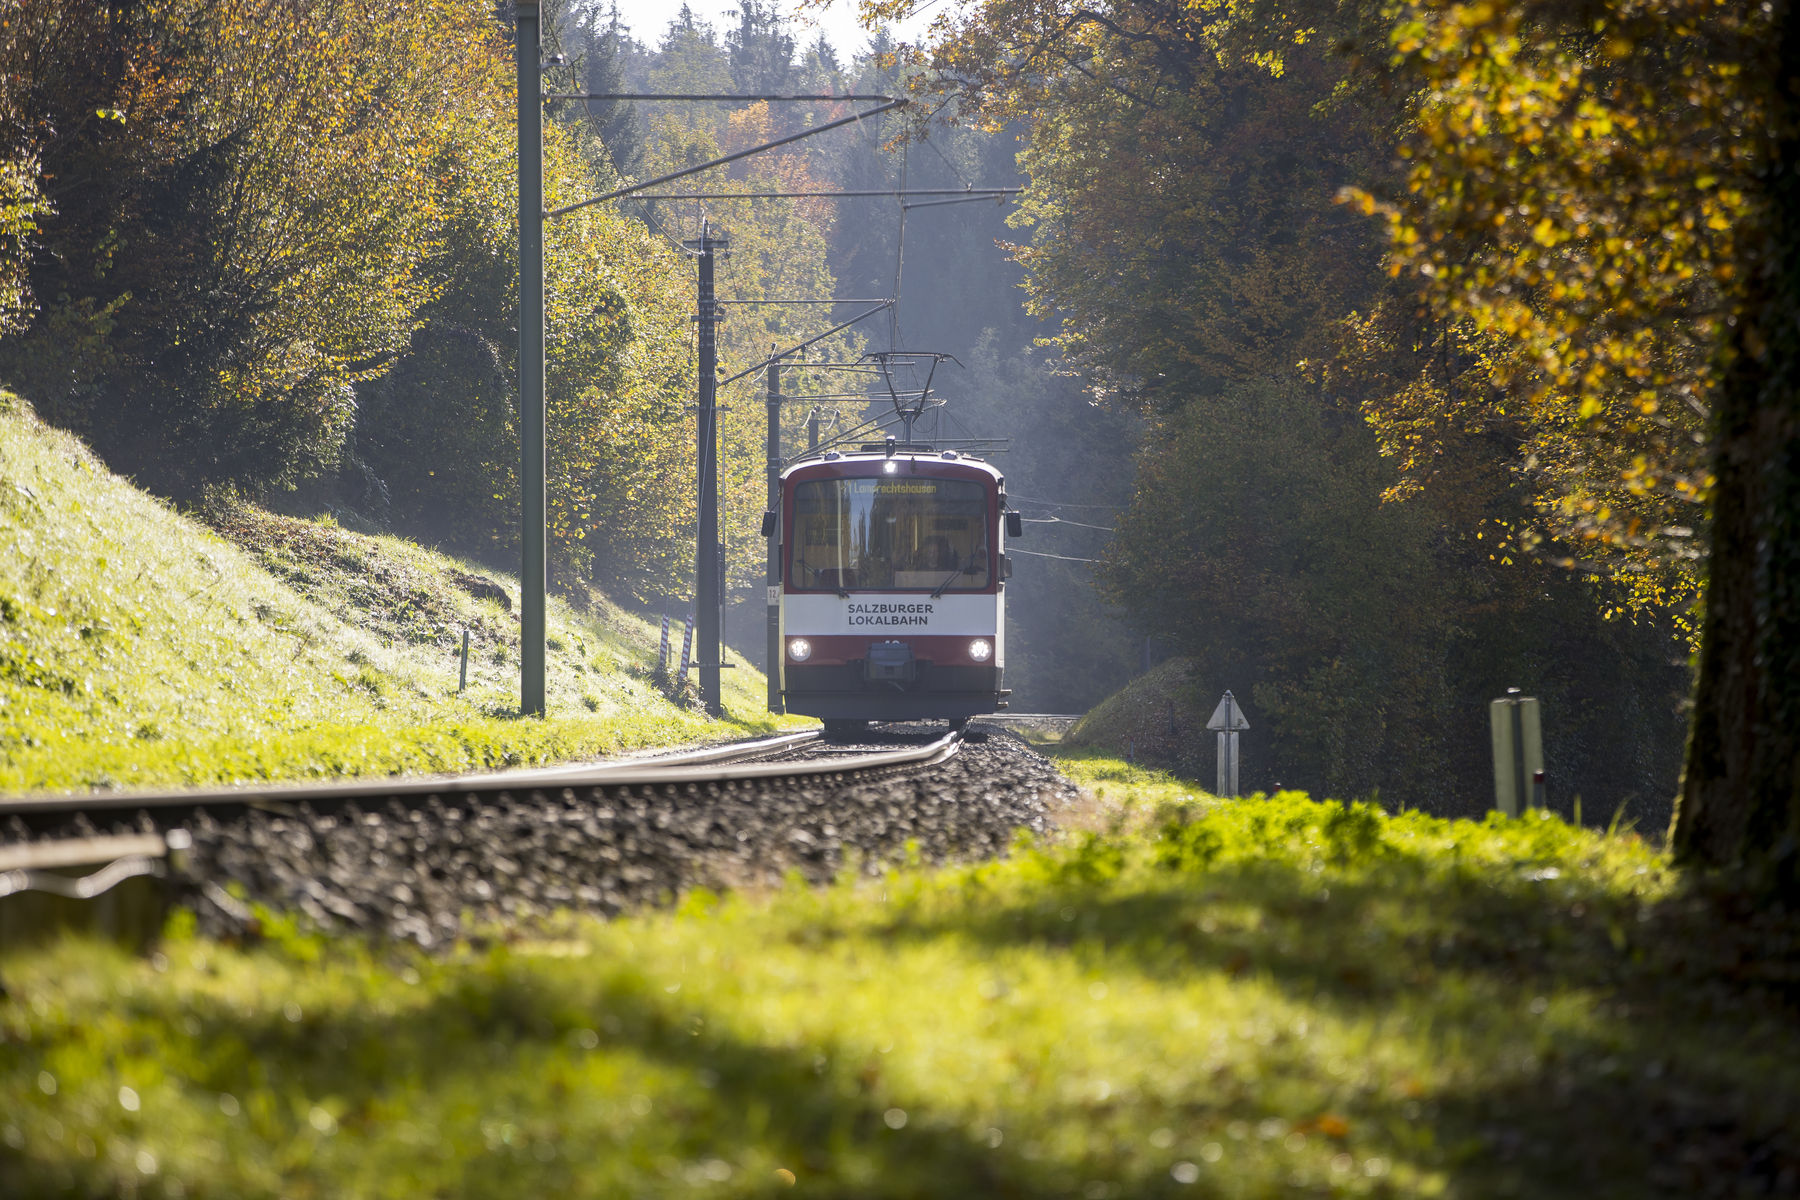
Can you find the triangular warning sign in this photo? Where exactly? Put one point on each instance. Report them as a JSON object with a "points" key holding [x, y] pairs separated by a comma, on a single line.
{"points": [[1228, 715]]}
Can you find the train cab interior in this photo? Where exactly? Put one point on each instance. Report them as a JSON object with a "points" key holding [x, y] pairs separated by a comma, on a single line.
{"points": [[879, 534]]}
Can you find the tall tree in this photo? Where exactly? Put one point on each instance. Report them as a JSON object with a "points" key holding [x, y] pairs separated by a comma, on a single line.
{"points": [[21, 196], [1185, 163], [242, 208], [1571, 210], [761, 50], [1740, 799], [616, 123]]}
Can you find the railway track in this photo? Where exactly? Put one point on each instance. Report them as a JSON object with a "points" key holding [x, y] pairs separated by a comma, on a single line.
{"points": [[411, 856]]}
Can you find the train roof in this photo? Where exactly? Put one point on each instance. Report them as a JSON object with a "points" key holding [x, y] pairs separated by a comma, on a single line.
{"points": [[917, 460]]}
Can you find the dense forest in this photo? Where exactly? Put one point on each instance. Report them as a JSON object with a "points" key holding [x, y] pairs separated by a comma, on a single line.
{"points": [[1362, 355], [1418, 307], [265, 250]]}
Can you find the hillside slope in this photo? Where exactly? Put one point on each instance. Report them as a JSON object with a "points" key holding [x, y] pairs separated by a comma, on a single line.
{"points": [[138, 647], [1157, 720]]}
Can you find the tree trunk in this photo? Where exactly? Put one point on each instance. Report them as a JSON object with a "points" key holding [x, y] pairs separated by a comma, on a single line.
{"points": [[1740, 793]]}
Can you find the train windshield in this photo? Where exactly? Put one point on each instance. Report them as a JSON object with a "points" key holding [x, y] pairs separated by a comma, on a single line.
{"points": [[890, 534]]}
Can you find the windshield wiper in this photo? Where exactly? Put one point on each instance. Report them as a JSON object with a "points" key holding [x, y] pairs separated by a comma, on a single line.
{"points": [[814, 572], [939, 590]]}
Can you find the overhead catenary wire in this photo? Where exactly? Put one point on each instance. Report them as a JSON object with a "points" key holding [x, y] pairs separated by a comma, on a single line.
{"points": [[722, 96], [1055, 520], [777, 357], [961, 194], [960, 199], [1066, 503], [946, 160], [854, 118], [828, 300], [1058, 557]]}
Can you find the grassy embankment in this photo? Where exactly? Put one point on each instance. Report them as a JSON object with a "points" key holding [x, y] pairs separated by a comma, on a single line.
{"points": [[137, 647], [1231, 999]]}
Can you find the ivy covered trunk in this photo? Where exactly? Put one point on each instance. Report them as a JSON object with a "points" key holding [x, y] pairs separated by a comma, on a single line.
{"points": [[1740, 797]]}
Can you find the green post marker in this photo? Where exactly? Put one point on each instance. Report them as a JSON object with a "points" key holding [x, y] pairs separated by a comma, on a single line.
{"points": [[531, 361], [1518, 738]]}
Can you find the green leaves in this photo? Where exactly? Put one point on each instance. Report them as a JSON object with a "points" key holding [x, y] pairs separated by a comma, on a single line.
{"points": [[1574, 206], [244, 192]]}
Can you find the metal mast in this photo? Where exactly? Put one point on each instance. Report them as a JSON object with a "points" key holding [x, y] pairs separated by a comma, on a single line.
{"points": [[531, 362], [709, 554], [772, 457]]}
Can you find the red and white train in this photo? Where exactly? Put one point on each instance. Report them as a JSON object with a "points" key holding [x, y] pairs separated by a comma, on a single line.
{"points": [[893, 586]]}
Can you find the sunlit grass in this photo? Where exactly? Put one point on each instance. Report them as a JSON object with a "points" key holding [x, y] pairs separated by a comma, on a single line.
{"points": [[1253, 998], [138, 648]]}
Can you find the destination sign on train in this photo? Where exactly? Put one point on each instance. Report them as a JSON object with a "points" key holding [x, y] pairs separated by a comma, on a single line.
{"points": [[893, 487]]}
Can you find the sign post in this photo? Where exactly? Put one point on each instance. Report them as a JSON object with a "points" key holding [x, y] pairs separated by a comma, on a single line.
{"points": [[1227, 720]]}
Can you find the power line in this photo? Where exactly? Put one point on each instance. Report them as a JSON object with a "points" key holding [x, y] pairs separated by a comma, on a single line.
{"points": [[1055, 520]]}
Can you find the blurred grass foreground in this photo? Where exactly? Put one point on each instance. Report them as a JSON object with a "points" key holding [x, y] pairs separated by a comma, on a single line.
{"points": [[1273, 996]]}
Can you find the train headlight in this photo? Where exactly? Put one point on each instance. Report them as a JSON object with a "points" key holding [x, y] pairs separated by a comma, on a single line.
{"points": [[799, 649], [890, 466], [981, 649]]}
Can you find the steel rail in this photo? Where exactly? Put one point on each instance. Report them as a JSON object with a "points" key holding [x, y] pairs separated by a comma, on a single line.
{"points": [[726, 752], [691, 767]]}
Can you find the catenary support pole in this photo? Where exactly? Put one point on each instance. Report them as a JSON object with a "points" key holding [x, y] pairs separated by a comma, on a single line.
{"points": [[772, 455], [707, 585], [531, 361]]}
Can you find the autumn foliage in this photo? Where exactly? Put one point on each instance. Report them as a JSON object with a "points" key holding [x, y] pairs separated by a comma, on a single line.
{"points": [[238, 206], [1576, 185], [266, 244], [1450, 274]]}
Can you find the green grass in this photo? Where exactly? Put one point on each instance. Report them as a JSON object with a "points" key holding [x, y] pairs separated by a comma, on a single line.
{"points": [[1229, 999], [1158, 718], [138, 647]]}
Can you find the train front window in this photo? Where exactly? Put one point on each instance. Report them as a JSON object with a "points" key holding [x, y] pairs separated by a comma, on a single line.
{"points": [[890, 534]]}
